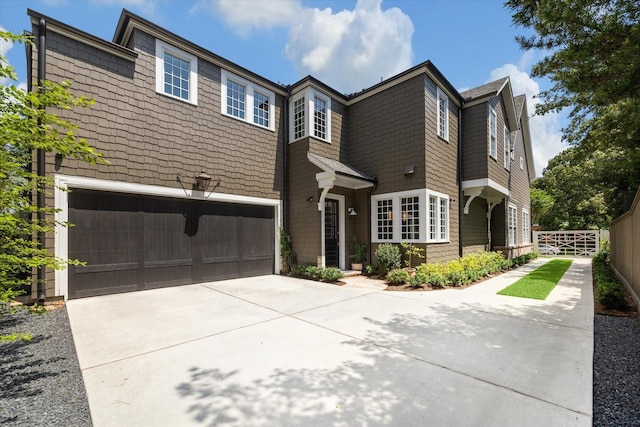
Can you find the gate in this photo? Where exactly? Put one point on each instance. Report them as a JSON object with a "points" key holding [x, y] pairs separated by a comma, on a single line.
{"points": [[571, 242]]}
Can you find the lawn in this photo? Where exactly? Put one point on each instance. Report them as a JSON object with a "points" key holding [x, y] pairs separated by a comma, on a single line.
{"points": [[539, 283]]}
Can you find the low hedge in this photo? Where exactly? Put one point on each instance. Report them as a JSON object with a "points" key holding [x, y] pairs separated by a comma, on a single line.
{"points": [[609, 292], [329, 274], [466, 270]]}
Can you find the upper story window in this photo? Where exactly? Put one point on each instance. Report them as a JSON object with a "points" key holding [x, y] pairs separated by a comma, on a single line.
{"points": [[261, 107], [176, 73], [239, 95], [303, 123], [319, 118], [420, 216], [443, 115], [235, 99], [507, 149], [299, 118], [493, 132]]}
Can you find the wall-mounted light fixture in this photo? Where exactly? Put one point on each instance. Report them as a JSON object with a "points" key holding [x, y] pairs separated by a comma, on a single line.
{"points": [[310, 199], [352, 211], [202, 181]]}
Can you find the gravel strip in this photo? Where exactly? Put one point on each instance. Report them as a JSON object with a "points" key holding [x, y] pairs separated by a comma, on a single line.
{"points": [[616, 371], [41, 383], [40, 380]]}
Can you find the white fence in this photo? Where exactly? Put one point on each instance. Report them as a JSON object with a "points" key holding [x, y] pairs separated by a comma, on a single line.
{"points": [[571, 242]]}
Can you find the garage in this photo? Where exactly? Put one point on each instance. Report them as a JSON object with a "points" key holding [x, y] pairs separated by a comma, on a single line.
{"points": [[132, 242]]}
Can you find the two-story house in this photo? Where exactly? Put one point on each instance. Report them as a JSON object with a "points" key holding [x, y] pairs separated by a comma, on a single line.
{"points": [[208, 160]]}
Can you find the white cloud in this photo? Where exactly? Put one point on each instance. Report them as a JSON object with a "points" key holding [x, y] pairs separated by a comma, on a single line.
{"points": [[546, 133], [349, 49], [4, 45], [352, 49], [243, 16]]}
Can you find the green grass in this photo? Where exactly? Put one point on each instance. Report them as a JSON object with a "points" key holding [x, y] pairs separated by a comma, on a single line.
{"points": [[539, 283]]}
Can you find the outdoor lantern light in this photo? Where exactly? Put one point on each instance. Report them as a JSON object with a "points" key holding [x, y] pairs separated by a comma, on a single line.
{"points": [[202, 181], [352, 211]]}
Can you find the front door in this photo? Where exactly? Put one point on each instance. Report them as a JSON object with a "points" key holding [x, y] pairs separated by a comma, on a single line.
{"points": [[331, 233]]}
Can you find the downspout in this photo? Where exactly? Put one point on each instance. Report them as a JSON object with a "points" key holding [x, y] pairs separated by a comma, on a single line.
{"points": [[285, 169], [375, 185], [40, 159], [459, 181]]}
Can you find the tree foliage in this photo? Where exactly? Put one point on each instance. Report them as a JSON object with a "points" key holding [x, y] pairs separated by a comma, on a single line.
{"points": [[592, 57], [27, 123], [574, 191]]}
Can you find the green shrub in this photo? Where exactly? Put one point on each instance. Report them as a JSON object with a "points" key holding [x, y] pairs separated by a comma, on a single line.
{"points": [[398, 276], [331, 274], [609, 292], [369, 270], [418, 280], [388, 257]]}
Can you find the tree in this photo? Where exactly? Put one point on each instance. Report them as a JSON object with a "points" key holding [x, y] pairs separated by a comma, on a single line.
{"points": [[572, 192], [28, 124], [592, 50]]}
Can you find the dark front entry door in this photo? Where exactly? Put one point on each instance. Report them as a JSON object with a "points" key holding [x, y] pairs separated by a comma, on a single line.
{"points": [[331, 233]]}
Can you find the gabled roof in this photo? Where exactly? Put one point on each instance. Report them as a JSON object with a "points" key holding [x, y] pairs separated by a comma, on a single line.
{"points": [[128, 21], [350, 176], [82, 36], [500, 87], [486, 90], [426, 67], [520, 102]]}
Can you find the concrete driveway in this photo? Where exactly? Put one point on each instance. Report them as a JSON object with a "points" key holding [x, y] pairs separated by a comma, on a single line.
{"points": [[277, 351]]}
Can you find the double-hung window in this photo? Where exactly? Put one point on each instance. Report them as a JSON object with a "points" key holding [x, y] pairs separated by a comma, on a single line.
{"points": [[438, 217], [384, 223], [526, 230], [176, 73], [310, 115], [512, 221], [493, 132], [443, 115], [319, 118], [507, 148], [247, 101], [410, 227], [419, 216], [235, 99]]}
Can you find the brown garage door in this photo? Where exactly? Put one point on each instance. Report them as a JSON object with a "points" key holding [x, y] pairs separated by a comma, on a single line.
{"points": [[134, 242]]}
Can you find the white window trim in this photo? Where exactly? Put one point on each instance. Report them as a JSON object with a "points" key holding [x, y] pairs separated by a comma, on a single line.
{"points": [[310, 95], [441, 94], [423, 221], [515, 225], [161, 48], [526, 226], [507, 149], [493, 149], [249, 89]]}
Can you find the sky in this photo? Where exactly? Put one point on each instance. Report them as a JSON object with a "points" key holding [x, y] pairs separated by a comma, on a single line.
{"points": [[348, 44]]}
